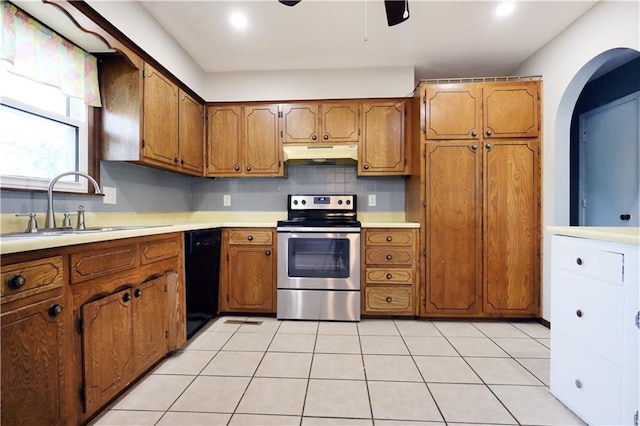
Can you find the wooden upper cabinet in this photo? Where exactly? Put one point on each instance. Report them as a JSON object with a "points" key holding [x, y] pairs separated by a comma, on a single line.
{"points": [[511, 110], [453, 111], [318, 122], [160, 122], [191, 147], [383, 147], [262, 149], [224, 140]]}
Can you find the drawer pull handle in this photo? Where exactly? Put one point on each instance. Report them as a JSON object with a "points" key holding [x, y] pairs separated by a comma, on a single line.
{"points": [[55, 310], [389, 276], [389, 257], [16, 281], [578, 384], [389, 299], [268, 252], [579, 261], [579, 313], [250, 238], [389, 239]]}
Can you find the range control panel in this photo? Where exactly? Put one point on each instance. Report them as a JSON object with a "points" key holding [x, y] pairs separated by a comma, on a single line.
{"points": [[322, 202]]}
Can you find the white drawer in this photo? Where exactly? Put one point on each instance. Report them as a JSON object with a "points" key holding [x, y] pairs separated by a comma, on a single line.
{"points": [[581, 256], [590, 311], [588, 385]]}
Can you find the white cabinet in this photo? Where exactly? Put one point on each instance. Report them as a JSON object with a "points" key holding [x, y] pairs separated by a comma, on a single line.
{"points": [[594, 337]]}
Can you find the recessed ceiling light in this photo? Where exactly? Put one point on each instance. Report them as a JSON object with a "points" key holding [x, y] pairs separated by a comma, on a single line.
{"points": [[238, 20], [505, 9]]}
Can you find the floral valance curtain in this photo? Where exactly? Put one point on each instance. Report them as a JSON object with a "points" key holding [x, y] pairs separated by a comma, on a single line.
{"points": [[38, 53]]}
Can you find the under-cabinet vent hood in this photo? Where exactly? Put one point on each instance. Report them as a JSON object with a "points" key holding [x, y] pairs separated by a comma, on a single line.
{"points": [[321, 154]]}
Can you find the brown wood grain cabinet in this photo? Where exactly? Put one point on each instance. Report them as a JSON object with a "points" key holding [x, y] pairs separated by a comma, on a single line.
{"points": [[320, 122], [481, 199], [389, 271], [248, 278], [147, 118], [244, 141], [383, 150], [81, 323]]}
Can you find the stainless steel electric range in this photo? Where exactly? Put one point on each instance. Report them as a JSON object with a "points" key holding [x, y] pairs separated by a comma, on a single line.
{"points": [[319, 259]]}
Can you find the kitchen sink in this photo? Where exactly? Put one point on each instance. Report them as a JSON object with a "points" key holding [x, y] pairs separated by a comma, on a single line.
{"points": [[71, 231]]}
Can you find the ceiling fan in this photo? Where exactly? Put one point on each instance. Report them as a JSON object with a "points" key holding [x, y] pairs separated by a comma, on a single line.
{"points": [[397, 10]]}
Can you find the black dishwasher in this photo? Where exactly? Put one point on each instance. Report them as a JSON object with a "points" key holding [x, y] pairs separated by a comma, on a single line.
{"points": [[202, 270]]}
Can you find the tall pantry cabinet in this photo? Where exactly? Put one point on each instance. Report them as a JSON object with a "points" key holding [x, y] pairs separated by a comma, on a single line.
{"points": [[480, 198]]}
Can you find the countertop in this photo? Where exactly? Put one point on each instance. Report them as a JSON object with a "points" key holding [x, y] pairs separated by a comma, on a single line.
{"points": [[602, 233], [163, 223]]}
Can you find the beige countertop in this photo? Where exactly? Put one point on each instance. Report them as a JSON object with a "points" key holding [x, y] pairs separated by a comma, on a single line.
{"points": [[603, 233], [162, 223]]}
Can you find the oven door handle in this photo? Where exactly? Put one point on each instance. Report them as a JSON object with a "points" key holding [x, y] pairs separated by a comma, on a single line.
{"points": [[308, 229]]}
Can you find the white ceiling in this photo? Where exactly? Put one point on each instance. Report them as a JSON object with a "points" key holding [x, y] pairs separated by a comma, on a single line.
{"points": [[440, 39]]}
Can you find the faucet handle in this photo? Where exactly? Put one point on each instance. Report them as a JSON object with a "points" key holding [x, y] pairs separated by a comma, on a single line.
{"points": [[32, 225], [80, 225]]}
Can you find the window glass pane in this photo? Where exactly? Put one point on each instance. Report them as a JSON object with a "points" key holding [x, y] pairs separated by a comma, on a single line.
{"points": [[35, 146], [318, 257]]}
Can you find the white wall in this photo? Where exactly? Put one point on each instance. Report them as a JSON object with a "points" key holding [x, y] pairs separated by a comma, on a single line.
{"points": [[566, 64]]}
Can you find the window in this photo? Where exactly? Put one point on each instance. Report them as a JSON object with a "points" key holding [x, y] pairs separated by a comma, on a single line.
{"points": [[44, 133]]}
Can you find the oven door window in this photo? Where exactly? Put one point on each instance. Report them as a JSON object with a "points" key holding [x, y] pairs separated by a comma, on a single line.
{"points": [[318, 258]]}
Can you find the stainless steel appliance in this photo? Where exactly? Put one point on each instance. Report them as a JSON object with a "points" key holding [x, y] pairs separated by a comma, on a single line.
{"points": [[319, 259]]}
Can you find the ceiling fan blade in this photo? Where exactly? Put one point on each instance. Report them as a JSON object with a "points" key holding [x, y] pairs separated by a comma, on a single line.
{"points": [[289, 2], [397, 11]]}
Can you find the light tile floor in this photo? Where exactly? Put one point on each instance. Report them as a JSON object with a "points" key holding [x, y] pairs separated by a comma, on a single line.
{"points": [[375, 372]]}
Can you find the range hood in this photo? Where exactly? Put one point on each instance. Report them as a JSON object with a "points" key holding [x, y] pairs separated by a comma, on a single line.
{"points": [[320, 154]]}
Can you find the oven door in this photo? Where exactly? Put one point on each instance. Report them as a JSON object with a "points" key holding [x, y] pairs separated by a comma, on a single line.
{"points": [[319, 260]]}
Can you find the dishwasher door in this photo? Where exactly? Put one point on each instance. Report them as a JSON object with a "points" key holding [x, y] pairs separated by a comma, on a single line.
{"points": [[202, 271]]}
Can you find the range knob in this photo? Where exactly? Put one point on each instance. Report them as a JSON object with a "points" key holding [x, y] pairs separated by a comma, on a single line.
{"points": [[295, 202], [304, 202], [340, 202], [348, 202]]}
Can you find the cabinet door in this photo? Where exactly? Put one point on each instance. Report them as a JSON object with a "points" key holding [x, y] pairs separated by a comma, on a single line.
{"points": [[510, 110], [149, 322], [107, 347], [382, 151], [251, 278], [160, 122], [453, 226], [340, 122], [33, 365], [453, 111], [299, 123], [191, 146], [224, 139], [511, 227], [262, 148]]}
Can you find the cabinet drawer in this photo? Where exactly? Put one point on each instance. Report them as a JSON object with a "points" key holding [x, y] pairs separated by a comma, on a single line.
{"points": [[154, 251], [101, 262], [576, 255], [250, 236], [389, 276], [389, 256], [590, 311], [384, 299], [393, 237], [28, 278], [590, 386]]}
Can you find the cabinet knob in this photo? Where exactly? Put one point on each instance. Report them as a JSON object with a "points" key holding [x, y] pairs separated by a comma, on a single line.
{"points": [[578, 384], [268, 252], [366, 167], [389, 238], [237, 168], [474, 147], [16, 281], [250, 238], [182, 162], [488, 146], [474, 133], [389, 276], [579, 313], [137, 292], [248, 168], [126, 297], [489, 132], [389, 299], [389, 257], [579, 261], [175, 160], [625, 216], [314, 137], [325, 137], [55, 310]]}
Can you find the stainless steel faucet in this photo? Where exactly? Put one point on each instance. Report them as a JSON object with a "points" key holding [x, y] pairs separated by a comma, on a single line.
{"points": [[50, 219]]}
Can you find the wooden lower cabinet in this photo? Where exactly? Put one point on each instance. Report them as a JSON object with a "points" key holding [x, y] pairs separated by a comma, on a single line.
{"points": [[248, 280], [389, 271]]}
